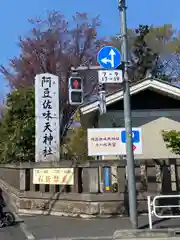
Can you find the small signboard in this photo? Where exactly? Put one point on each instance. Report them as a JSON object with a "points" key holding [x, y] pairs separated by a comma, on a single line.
{"points": [[110, 76], [53, 176]]}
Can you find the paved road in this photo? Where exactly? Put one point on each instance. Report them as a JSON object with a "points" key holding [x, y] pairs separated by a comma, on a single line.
{"points": [[11, 233], [48, 227], [51, 227]]}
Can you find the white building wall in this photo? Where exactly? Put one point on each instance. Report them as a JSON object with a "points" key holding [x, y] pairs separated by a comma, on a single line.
{"points": [[152, 122]]}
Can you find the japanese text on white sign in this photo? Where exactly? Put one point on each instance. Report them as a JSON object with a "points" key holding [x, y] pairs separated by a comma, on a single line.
{"points": [[103, 142], [110, 76], [53, 176], [47, 117], [112, 141]]}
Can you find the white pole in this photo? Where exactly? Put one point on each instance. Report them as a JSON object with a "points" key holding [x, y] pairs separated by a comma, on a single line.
{"points": [[149, 212]]}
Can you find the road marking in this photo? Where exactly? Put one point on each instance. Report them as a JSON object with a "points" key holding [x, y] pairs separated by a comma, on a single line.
{"points": [[24, 228]]}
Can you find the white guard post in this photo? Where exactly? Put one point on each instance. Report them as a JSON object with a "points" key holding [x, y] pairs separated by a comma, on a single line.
{"points": [[152, 207]]}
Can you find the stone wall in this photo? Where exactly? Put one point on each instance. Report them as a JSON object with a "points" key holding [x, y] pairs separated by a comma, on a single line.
{"points": [[85, 199], [83, 205], [10, 175]]}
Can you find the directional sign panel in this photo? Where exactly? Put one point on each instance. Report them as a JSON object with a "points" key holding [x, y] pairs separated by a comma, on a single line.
{"points": [[109, 57], [135, 136], [112, 141], [110, 76], [136, 139]]}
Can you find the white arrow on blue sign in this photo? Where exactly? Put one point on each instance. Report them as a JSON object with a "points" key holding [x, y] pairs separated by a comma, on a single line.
{"points": [[109, 57], [136, 139], [135, 136]]}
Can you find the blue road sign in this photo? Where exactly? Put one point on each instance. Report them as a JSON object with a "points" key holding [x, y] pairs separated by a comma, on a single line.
{"points": [[135, 136], [109, 57]]}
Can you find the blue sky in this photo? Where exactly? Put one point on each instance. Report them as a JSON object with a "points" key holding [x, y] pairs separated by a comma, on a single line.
{"points": [[14, 15]]}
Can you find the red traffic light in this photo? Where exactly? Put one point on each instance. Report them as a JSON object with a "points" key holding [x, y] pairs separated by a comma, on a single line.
{"points": [[76, 83]]}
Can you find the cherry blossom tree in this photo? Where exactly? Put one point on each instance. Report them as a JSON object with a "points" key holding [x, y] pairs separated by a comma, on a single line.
{"points": [[54, 45]]}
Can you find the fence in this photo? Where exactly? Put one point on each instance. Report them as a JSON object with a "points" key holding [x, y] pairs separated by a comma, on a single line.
{"points": [[153, 177], [162, 203]]}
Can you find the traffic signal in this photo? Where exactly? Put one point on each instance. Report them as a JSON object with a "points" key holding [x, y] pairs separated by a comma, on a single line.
{"points": [[75, 90]]}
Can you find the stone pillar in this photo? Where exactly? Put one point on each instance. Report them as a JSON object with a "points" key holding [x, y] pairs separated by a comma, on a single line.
{"points": [[121, 179], [158, 178], [114, 174], [22, 184], [114, 178], [93, 177], [33, 187], [143, 176], [75, 187], [174, 184], [52, 188]]}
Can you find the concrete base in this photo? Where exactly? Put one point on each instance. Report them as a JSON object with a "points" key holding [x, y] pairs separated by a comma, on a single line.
{"points": [[146, 234], [82, 205], [73, 205]]}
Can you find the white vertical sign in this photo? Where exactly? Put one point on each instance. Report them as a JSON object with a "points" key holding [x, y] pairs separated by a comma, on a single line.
{"points": [[47, 117]]}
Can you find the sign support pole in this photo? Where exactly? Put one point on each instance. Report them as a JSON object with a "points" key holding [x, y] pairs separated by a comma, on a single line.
{"points": [[128, 118], [102, 110]]}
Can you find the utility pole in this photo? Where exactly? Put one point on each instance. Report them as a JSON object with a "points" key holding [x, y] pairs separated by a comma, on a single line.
{"points": [[128, 118]]}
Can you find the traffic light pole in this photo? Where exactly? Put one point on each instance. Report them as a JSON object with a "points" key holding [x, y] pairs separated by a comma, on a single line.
{"points": [[128, 118], [102, 106], [102, 110]]}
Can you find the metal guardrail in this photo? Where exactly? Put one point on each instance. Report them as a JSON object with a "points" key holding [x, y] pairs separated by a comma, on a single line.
{"points": [[153, 207]]}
